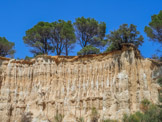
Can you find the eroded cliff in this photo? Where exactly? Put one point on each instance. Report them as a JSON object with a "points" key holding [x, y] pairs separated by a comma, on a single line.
{"points": [[113, 83]]}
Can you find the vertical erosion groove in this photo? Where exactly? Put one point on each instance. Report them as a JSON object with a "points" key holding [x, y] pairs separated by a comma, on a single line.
{"points": [[71, 87]]}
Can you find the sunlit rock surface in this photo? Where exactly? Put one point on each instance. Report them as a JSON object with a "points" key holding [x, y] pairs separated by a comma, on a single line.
{"points": [[113, 83]]}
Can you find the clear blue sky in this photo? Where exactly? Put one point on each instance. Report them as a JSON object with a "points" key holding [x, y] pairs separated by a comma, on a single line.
{"points": [[17, 16]]}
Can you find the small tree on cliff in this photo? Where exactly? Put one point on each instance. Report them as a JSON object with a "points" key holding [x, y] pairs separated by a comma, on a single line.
{"points": [[6, 47], [125, 34], [38, 38], [89, 50]]}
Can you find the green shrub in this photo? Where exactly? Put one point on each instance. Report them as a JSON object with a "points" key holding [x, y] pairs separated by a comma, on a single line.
{"points": [[160, 81], [136, 117], [94, 115], [58, 118], [160, 91], [28, 58], [144, 105], [81, 119], [88, 50], [160, 96], [109, 120], [151, 113]]}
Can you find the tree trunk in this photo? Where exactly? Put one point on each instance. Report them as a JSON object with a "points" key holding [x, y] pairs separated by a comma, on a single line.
{"points": [[66, 46], [45, 47]]}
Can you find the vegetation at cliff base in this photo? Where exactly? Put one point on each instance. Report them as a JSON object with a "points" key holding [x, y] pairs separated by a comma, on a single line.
{"points": [[58, 118], [94, 115], [160, 90], [150, 113], [81, 119]]}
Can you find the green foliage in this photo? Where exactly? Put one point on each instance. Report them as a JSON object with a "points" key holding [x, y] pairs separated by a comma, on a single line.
{"points": [[145, 102], [69, 36], [160, 91], [81, 119], [6, 47], [125, 34], [144, 105], [137, 117], [112, 47], [154, 30], [54, 37], [88, 50], [94, 115], [90, 32], [38, 38], [62, 37], [28, 58], [58, 118], [160, 81], [156, 57], [152, 114], [160, 58], [109, 120]]}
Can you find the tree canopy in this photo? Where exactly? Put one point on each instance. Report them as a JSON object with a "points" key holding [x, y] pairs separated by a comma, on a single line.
{"points": [[154, 30], [125, 34], [62, 37], [57, 37], [38, 38], [6, 47], [90, 32], [69, 36]]}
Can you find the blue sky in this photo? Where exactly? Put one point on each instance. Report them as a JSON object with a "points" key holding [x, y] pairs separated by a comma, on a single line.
{"points": [[17, 16]]}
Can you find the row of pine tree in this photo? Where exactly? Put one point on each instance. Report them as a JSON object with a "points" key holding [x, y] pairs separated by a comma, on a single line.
{"points": [[61, 37]]}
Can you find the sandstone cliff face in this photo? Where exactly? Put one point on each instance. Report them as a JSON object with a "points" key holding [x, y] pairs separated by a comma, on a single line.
{"points": [[113, 83]]}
